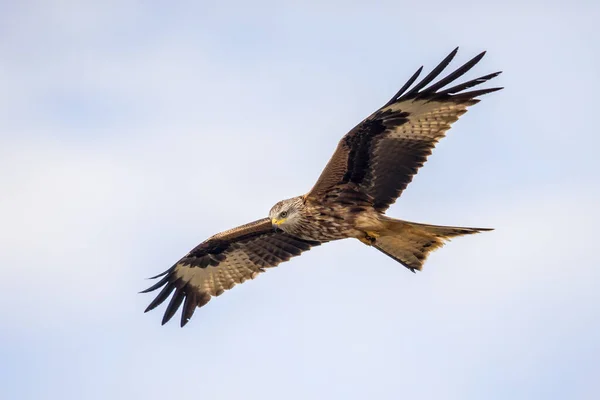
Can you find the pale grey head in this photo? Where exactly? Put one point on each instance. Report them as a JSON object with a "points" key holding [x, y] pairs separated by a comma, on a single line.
{"points": [[286, 214]]}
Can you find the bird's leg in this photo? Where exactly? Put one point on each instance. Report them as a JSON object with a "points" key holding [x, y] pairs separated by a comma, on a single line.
{"points": [[369, 238]]}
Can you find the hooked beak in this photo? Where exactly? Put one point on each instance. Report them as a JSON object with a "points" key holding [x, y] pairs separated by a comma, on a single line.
{"points": [[276, 222]]}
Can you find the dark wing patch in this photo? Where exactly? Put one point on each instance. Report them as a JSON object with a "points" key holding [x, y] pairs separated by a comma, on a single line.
{"points": [[360, 144], [395, 162], [380, 156], [220, 263]]}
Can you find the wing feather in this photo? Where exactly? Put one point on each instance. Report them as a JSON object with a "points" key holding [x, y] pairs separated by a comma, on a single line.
{"points": [[221, 262], [405, 87], [433, 74], [380, 156], [456, 74]]}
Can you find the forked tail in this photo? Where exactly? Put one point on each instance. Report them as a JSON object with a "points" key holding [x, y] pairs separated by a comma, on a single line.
{"points": [[410, 243]]}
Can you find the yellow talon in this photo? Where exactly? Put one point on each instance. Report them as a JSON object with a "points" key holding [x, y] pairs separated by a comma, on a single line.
{"points": [[365, 241], [369, 238]]}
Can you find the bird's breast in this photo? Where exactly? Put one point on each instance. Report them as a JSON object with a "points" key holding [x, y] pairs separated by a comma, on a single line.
{"points": [[327, 223]]}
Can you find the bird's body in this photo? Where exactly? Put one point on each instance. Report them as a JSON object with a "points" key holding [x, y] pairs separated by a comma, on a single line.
{"points": [[370, 168], [327, 221]]}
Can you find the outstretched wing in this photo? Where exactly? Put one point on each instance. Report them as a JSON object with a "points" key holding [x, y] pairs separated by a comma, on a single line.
{"points": [[220, 262], [380, 156]]}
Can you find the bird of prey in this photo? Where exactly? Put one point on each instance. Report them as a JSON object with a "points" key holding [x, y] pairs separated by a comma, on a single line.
{"points": [[369, 170]]}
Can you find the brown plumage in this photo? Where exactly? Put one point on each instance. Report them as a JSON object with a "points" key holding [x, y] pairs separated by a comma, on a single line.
{"points": [[372, 165]]}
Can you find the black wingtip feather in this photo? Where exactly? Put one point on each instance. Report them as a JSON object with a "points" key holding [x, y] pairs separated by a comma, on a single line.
{"points": [[159, 275], [189, 306], [456, 74], [162, 296], [174, 304], [433, 74], [403, 89], [475, 93], [156, 285], [468, 84], [163, 273], [455, 93]]}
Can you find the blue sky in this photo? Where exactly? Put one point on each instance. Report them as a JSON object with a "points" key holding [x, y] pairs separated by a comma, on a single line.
{"points": [[131, 132]]}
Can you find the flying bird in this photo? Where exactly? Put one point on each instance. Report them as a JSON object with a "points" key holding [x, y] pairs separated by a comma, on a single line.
{"points": [[369, 170]]}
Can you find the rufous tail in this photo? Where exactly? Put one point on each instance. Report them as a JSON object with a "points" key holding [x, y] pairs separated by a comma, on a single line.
{"points": [[410, 243]]}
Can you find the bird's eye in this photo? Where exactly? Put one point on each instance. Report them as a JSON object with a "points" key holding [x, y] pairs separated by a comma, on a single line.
{"points": [[283, 214]]}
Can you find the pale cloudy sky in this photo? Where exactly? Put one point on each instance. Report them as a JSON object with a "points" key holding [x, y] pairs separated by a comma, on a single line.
{"points": [[129, 133]]}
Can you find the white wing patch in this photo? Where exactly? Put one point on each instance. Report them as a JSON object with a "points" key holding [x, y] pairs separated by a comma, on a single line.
{"points": [[214, 280], [426, 121]]}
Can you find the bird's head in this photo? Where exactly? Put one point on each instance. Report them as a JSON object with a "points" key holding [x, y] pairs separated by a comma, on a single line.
{"points": [[286, 213]]}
